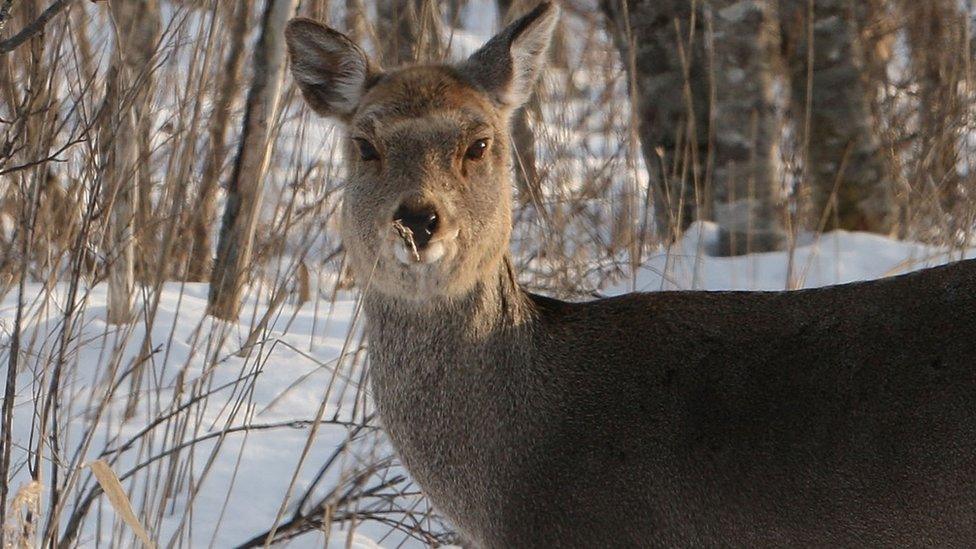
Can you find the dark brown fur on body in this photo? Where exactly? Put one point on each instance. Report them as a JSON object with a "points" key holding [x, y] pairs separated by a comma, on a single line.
{"points": [[835, 416]]}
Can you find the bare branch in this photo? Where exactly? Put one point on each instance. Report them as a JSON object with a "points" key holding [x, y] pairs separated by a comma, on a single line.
{"points": [[32, 28]]}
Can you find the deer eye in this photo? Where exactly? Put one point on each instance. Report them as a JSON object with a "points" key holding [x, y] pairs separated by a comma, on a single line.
{"points": [[367, 151], [476, 151]]}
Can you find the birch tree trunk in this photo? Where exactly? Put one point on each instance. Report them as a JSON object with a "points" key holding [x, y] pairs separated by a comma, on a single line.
{"points": [[706, 112], [843, 148], [246, 183], [747, 122], [937, 38], [203, 217], [125, 98], [145, 37], [660, 44]]}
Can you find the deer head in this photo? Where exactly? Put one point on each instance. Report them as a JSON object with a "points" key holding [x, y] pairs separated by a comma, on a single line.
{"points": [[427, 204]]}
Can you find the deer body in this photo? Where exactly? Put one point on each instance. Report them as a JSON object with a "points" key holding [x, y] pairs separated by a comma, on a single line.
{"points": [[835, 416]]}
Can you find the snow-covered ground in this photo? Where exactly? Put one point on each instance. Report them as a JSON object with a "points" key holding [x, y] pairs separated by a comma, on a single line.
{"points": [[237, 482]]}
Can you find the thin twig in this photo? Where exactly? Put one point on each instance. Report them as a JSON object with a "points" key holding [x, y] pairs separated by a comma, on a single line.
{"points": [[32, 28], [407, 236]]}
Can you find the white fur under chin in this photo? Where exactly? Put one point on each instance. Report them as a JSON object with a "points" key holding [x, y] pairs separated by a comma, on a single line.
{"points": [[431, 254]]}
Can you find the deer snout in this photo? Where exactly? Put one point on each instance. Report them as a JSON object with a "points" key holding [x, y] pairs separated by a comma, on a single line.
{"points": [[420, 219], [425, 231]]}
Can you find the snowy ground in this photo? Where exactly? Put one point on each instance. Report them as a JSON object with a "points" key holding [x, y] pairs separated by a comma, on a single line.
{"points": [[291, 370]]}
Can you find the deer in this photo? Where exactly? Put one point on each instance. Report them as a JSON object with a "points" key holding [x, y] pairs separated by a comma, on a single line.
{"points": [[838, 416]]}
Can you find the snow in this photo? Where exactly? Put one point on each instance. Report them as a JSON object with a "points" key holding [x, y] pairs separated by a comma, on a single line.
{"points": [[837, 257], [251, 471]]}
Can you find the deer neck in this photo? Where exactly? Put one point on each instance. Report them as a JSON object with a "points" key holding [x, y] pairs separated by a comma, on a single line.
{"points": [[454, 345], [426, 353], [496, 304], [444, 374]]}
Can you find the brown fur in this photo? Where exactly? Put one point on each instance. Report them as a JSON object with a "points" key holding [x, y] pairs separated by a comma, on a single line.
{"points": [[836, 416]]}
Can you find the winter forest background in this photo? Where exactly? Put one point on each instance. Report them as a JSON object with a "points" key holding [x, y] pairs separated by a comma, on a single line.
{"points": [[182, 359]]}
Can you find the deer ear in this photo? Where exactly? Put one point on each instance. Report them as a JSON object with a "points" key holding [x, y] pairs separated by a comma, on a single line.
{"points": [[509, 64], [329, 68]]}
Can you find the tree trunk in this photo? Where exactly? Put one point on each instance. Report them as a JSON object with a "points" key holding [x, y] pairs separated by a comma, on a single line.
{"points": [[145, 36], [937, 39], [704, 139], [842, 131], [125, 100], [246, 183], [202, 218], [747, 121], [356, 25], [663, 63]]}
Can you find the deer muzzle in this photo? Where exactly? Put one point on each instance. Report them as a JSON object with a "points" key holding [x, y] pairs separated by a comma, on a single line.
{"points": [[424, 231]]}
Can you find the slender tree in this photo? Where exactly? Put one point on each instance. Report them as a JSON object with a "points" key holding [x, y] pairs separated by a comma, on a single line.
{"points": [[746, 122], [146, 32], [202, 217], [661, 47], [832, 96], [356, 23], [937, 33], [136, 25], [244, 191]]}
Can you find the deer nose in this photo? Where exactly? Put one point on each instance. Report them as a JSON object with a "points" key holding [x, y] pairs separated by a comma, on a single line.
{"points": [[421, 219]]}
